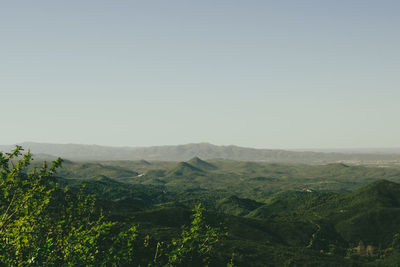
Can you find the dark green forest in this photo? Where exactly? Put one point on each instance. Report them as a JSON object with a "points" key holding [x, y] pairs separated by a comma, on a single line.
{"points": [[196, 213]]}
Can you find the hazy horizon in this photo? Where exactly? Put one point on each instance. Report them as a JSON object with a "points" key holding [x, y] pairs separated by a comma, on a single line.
{"points": [[324, 149], [262, 74]]}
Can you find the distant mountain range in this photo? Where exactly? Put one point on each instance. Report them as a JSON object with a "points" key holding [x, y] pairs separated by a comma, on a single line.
{"points": [[375, 150], [202, 150]]}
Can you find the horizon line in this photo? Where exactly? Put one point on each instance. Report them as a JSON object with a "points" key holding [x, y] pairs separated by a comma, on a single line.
{"points": [[209, 143]]}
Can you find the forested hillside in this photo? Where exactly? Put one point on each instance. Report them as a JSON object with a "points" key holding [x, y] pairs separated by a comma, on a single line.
{"points": [[131, 213]]}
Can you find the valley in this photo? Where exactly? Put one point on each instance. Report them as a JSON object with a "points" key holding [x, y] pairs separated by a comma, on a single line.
{"points": [[275, 213]]}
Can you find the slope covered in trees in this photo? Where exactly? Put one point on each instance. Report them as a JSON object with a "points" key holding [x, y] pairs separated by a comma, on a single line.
{"points": [[256, 214], [42, 224]]}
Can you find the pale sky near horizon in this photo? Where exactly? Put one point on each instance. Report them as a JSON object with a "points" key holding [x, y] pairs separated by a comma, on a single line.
{"points": [[267, 74]]}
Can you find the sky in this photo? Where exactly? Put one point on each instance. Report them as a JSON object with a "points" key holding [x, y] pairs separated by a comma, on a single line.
{"points": [[266, 74]]}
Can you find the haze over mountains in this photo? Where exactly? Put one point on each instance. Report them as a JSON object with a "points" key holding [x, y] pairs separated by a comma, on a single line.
{"points": [[202, 150]]}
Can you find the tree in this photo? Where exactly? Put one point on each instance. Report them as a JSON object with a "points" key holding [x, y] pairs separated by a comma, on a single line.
{"points": [[40, 224], [196, 243], [44, 225], [23, 200]]}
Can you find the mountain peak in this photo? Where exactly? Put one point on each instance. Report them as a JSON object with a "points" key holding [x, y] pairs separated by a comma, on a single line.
{"points": [[201, 164], [184, 169]]}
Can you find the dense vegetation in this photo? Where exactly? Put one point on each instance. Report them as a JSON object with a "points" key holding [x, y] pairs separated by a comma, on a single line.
{"points": [[273, 214], [43, 225]]}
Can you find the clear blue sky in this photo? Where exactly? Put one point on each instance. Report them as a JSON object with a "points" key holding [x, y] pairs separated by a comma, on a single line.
{"points": [[274, 74]]}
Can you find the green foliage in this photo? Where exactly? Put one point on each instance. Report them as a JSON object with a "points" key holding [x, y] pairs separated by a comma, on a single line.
{"points": [[196, 242], [276, 214], [42, 225], [279, 209], [24, 199], [254, 180]]}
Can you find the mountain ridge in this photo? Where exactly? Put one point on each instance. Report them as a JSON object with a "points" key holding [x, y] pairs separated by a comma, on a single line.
{"points": [[189, 151]]}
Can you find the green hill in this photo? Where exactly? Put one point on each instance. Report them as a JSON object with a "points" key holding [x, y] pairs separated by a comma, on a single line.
{"points": [[370, 214], [276, 213], [201, 164], [236, 206], [184, 169], [81, 170]]}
